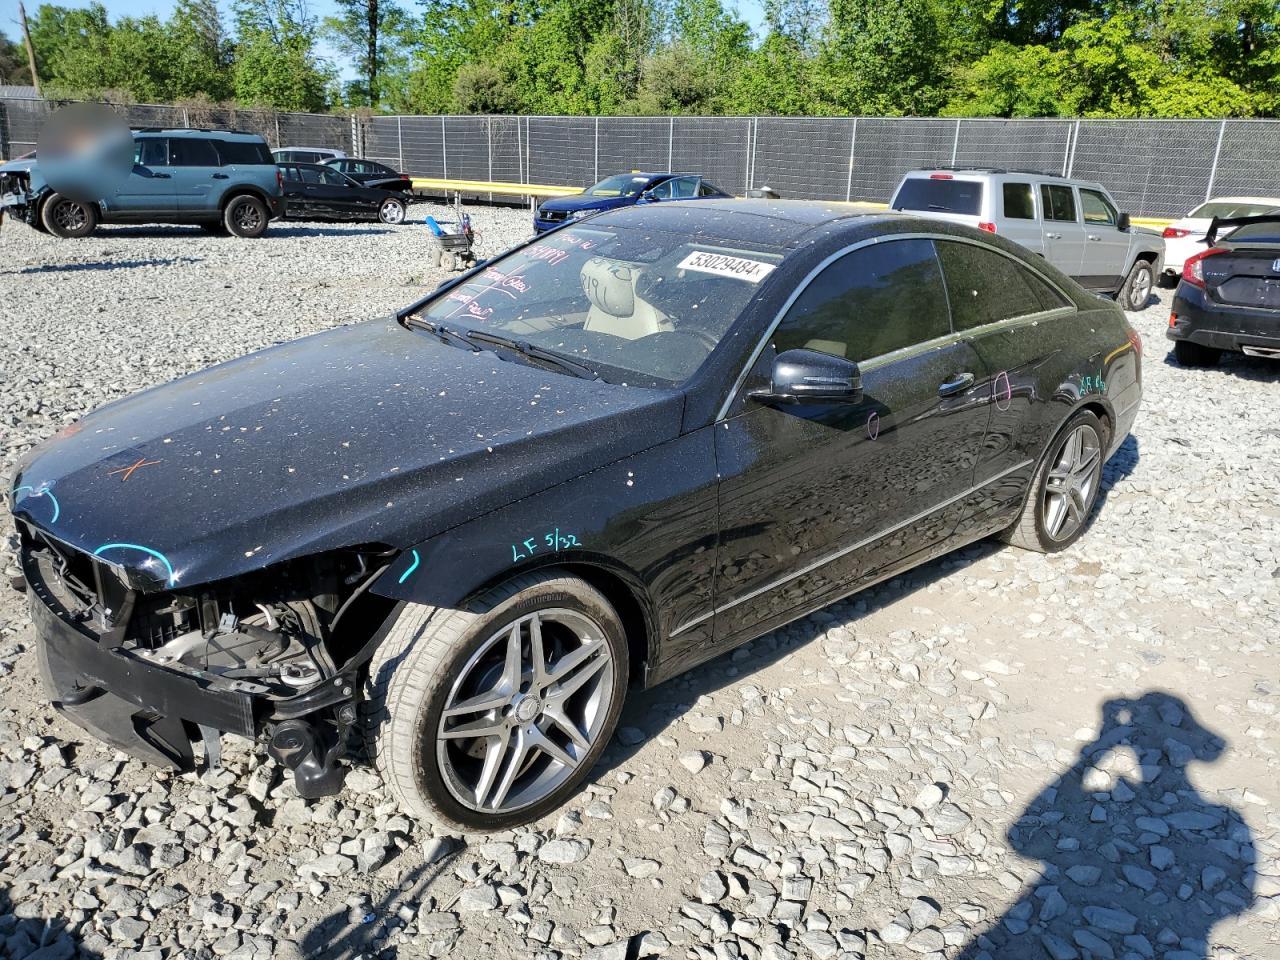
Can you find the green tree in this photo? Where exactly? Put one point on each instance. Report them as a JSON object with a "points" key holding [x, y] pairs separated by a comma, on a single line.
{"points": [[13, 63], [883, 59], [371, 33], [276, 63]]}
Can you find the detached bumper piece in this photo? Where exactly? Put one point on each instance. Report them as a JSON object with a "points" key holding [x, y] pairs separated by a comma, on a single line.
{"points": [[158, 712]]}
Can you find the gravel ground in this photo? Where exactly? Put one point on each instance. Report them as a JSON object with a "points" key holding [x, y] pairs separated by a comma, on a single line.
{"points": [[1078, 751]]}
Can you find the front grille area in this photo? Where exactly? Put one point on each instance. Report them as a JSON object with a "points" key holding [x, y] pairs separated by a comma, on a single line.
{"points": [[553, 216]]}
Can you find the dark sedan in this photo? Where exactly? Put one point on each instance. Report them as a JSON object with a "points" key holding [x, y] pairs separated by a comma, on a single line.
{"points": [[314, 191], [370, 173], [1229, 295], [624, 190], [587, 465]]}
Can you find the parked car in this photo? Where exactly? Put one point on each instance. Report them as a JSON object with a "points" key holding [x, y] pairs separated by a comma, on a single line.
{"points": [[1229, 295], [314, 191], [1184, 238], [623, 190], [306, 154], [368, 173], [591, 463], [1074, 224], [220, 179]]}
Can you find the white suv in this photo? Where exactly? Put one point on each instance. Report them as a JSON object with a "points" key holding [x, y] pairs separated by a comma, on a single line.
{"points": [[1074, 224]]}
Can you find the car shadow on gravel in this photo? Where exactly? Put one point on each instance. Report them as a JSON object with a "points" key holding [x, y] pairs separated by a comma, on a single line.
{"points": [[105, 265], [1253, 369], [1135, 861], [360, 929], [33, 936]]}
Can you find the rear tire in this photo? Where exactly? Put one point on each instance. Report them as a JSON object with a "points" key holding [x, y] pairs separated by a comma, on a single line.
{"points": [[245, 216], [67, 218], [1190, 354], [1065, 488], [441, 670], [1136, 288]]}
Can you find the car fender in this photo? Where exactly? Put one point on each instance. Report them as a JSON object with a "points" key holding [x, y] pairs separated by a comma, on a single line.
{"points": [[648, 521]]}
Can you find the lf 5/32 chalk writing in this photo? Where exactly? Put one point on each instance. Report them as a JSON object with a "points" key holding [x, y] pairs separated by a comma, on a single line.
{"points": [[550, 541]]}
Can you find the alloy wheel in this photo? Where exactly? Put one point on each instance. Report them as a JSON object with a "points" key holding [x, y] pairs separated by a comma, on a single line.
{"points": [[246, 216], [1140, 290], [1072, 483], [392, 211], [70, 216], [525, 710]]}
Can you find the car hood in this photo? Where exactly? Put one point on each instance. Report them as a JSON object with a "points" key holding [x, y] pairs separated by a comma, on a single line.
{"points": [[571, 204], [365, 434]]}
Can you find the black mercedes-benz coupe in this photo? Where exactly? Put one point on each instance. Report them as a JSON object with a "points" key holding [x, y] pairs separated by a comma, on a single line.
{"points": [[459, 535]]}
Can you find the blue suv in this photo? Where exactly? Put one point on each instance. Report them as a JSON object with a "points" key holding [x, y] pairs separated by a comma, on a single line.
{"points": [[224, 181], [623, 190]]}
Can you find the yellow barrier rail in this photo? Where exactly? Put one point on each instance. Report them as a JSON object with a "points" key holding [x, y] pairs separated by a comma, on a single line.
{"points": [[495, 187], [506, 189]]}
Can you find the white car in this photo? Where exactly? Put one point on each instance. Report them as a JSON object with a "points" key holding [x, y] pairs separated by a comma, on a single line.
{"points": [[1185, 238]]}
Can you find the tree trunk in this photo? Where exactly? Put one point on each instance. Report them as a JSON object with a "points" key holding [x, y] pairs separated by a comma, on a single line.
{"points": [[31, 51], [371, 53]]}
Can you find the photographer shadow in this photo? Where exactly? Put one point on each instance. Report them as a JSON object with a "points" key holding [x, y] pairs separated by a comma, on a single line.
{"points": [[1136, 862]]}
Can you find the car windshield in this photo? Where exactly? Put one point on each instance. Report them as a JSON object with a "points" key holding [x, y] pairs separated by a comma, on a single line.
{"points": [[635, 306], [623, 185], [1233, 208]]}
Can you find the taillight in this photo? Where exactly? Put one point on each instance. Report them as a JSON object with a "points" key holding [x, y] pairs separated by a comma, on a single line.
{"points": [[279, 181], [1172, 233], [1173, 320], [1136, 341], [1193, 269], [941, 176], [989, 227]]}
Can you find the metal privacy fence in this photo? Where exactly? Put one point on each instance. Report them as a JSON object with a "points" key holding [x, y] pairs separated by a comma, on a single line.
{"points": [[1154, 168]]}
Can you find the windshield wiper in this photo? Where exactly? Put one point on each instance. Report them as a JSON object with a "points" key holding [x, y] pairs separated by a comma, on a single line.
{"points": [[456, 337], [526, 349]]}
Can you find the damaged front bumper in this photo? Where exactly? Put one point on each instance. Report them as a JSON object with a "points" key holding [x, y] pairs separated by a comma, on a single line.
{"points": [[156, 709]]}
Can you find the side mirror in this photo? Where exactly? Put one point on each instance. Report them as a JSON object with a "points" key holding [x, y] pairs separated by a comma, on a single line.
{"points": [[1123, 222], [809, 376], [649, 197]]}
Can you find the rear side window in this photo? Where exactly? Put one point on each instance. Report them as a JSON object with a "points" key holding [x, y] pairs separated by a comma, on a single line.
{"points": [[245, 152], [1058, 202], [192, 153], [1097, 209], [1018, 202], [870, 302], [311, 175], [984, 286], [940, 195], [151, 152]]}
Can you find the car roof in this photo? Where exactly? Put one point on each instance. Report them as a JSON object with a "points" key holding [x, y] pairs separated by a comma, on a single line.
{"points": [[310, 150], [773, 222], [200, 133], [1275, 200]]}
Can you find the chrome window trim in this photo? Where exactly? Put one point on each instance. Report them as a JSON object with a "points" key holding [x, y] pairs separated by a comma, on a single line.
{"points": [[873, 362], [823, 561]]}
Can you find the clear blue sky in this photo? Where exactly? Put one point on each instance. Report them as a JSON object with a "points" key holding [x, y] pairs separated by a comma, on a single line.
{"points": [[750, 10]]}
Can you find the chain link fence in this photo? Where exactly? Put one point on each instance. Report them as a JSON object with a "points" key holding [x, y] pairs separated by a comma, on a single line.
{"points": [[1154, 168]]}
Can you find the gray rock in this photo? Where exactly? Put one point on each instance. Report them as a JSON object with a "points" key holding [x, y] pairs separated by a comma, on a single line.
{"points": [[564, 851]]}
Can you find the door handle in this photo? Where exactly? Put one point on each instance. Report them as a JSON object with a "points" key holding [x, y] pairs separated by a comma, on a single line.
{"points": [[956, 384], [1053, 236], [1094, 236], [162, 176], [221, 176]]}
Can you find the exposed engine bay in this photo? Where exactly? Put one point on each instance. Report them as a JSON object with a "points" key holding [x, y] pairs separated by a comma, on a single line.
{"points": [[279, 652]]}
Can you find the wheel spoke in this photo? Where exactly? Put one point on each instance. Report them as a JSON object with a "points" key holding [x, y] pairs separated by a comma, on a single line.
{"points": [[537, 653], [540, 741], [1088, 459], [493, 755], [481, 703], [483, 727], [575, 669], [511, 670], [516, 750], [556, 715]]}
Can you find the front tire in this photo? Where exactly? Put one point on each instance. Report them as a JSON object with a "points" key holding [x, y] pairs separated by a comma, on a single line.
{"points": [[1190, 354], [489, 717], [67, 218], [1065, 488], [245, 216], [392, 211], [1136, 288]]}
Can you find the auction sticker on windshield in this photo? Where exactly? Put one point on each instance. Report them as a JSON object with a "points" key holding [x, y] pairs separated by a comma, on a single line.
{"points": [[723, 265]]}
